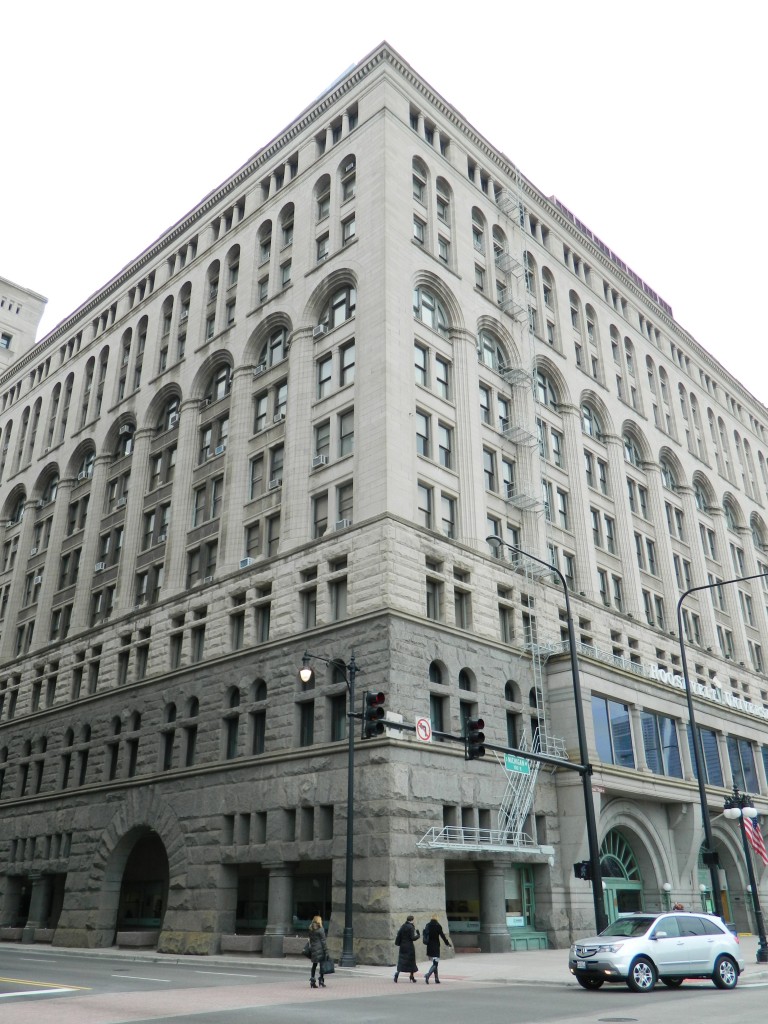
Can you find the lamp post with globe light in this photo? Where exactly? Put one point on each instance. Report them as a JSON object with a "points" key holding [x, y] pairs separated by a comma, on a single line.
{"points": [[738, 806]]}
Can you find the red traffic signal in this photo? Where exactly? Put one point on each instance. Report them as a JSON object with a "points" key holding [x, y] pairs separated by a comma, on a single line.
{"points": [[373, 714], [474, 739]]}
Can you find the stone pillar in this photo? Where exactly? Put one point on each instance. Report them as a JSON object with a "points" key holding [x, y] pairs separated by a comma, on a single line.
{"points": [[81, 606], [236, 473], [494, 936], [584, 548], [665, 568], [51, 575], [625, 533], [636, 726], [701, 603], [175, 580], [39, 905], [279, 908], [134, 517]]}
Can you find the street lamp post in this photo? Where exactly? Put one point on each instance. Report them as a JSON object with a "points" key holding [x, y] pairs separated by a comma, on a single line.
{"points": [[585, 771], [738, 806], [306, 675], [710, 854]]}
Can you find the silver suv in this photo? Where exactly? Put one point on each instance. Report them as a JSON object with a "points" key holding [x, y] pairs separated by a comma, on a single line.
{"points": [[640, 949]]}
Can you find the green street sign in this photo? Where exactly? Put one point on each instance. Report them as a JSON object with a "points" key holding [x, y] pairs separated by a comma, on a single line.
{"points": [[517, 764]]}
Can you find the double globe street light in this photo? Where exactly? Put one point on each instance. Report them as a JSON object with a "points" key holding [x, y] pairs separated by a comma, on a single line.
{"points": [[738, 807]]}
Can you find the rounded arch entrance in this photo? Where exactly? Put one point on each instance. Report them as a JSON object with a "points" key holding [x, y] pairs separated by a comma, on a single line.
{"points": [[621, 876], [142, 846], [143, 897]]}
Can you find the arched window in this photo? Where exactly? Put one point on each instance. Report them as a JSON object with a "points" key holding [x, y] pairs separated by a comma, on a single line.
{"points": [[85, 470], [465, 680], [169, 417], [124, 441], [668, 478], [51, 488], [341, 307], [632, 452], [491, 351], [435, 673], [590, 422], [730, 516], [275, 348], [259, 690], [478, 231], [220, 383], [512, 692], [428, 309], [700, 496], [545, 390], [323, 197]]}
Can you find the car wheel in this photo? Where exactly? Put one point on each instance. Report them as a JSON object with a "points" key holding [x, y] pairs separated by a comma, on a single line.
{"points": [[642, 975], [586, 982], [726, 973], [672, 982]]}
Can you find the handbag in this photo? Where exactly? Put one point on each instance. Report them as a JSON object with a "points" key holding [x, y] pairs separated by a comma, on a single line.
{"points": [[328, 966], [307, 951]]}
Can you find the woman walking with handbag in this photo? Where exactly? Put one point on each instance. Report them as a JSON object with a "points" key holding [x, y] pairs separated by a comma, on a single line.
{"points": [[318, 951]]}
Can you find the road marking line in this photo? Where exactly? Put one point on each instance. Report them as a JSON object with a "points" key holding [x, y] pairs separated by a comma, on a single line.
{"points": [[223, 974], [39, 992], [42, 984], [138, 977]]}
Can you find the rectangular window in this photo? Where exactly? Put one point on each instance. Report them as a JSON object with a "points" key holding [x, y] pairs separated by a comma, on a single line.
{"points": [[713, 772], [424, 495], [420, 360], [661, 746], [324, 376], [423, 434], [613, 734], [347, 356]]}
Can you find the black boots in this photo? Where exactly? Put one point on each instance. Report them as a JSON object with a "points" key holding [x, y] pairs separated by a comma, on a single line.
{"points": [[312, 983], [395, 977], [322, 981]]}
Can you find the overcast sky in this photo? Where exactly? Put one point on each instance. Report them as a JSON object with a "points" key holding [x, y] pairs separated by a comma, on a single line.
{"points": [[648, 120]]}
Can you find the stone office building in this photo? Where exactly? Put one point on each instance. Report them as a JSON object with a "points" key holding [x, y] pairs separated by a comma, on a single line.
{"points": [[291, 424]]}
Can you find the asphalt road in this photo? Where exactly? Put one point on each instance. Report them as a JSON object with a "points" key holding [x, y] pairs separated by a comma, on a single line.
{"points": [[71, 988]]}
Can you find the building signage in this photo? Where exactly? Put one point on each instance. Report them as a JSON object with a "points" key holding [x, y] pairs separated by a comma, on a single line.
{"points": [[517, 764], [712, 693]]}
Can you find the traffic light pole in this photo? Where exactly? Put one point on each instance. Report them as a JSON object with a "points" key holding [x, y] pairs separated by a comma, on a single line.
{"points": [[601, 920], [306, 675]]}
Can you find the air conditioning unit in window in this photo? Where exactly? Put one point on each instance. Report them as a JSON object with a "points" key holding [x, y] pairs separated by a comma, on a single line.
{"points": [[125, 429], [319, 460], [319, 331], [245, 562], [40, 503], [100, 567], [37, 580], [275, 482], [173, 419], [258, 370], [219, 449], [82, 475], [278, 417], [205, 401], [121, 502], [342, 524], [350, 166], [32, 551], [161, 537], [208, 579]]}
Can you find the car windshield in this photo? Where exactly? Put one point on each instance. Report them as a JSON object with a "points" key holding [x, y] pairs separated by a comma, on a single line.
{"points": [[629, 926]]}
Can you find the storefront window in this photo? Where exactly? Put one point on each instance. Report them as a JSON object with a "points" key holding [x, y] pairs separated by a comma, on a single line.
{"points": [[660, 741]]}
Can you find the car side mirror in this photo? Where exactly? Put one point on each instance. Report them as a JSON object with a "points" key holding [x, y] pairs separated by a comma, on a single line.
{"points": [[659, 935]]}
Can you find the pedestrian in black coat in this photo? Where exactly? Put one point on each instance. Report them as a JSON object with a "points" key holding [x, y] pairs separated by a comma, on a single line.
{"points": [[318, 951], [433, 932], [406, 936]]}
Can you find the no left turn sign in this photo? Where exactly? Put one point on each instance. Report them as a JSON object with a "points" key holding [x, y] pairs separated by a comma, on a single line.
{"points": [[423, 730]]}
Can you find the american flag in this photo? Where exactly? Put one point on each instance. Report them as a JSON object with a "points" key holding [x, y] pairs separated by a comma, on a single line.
{"points": [[755, 837]]}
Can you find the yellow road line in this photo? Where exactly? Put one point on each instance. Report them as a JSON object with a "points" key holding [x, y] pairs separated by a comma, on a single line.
{"points": [[44, 984]]}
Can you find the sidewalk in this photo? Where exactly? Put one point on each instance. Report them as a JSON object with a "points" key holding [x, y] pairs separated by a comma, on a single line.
{"points": [[543, 967]]}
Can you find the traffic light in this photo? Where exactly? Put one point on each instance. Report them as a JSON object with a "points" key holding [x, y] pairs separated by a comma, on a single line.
{"points": [[474, 739], [373, 714]]}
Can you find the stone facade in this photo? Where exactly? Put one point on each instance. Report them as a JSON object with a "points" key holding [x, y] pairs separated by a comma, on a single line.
{"points": [[290, 425]]}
